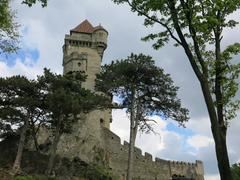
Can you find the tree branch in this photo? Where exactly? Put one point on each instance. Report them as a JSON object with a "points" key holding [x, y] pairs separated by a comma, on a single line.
{"points": [[157, 21], [193, 33], [185, 45]]}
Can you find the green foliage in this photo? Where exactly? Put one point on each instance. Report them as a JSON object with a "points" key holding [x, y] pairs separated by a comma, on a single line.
{"points": [[22, 101], [8, 29], [9, 35], [23, 178], [99, 173], [32, 2], [152, 89], [36, 177], [195, 25], [19, 101], [66, 99], [236, 171]]}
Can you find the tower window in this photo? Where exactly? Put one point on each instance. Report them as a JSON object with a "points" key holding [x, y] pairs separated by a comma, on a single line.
{"points": [[101, 121], [79, 64]]}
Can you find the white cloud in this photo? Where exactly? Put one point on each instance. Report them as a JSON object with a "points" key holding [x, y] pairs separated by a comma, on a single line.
{"points": [[199, 141], [27, 69], [212, 177], [120, 124]]}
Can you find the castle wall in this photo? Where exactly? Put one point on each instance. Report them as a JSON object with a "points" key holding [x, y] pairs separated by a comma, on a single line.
{"points": [[86, 139], [145, 168]]}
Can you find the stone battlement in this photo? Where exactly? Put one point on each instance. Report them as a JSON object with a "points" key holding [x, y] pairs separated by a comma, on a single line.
{"points": [[119, 154]]}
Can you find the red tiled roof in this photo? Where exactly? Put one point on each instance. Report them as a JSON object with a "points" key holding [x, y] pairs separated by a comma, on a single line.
{"points": [[86, 27]]}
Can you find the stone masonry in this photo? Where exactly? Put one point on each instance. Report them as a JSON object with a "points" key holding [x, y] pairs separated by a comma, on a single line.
{"points": [[92, 140]]}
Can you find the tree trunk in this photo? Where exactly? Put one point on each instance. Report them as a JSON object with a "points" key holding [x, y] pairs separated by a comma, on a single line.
{"points": [[34, 136], [53, 150], [35, 142], [218, 135], [222, 157], [131, 153], [131, 138], [220, 144], [17, 163]]}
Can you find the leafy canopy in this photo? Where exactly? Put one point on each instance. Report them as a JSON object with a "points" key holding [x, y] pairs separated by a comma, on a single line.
{"points": [[236, 171], [32, 2], [196, 25], [9, 35], [66, 98], [8, 29], [153, 90], [22, 101]]}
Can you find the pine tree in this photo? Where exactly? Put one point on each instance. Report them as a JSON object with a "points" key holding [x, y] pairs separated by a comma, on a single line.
{"points": [[144, 90]]}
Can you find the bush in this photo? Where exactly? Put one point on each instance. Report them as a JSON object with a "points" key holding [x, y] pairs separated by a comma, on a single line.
{"points": [[236, 171], [23, 178]]}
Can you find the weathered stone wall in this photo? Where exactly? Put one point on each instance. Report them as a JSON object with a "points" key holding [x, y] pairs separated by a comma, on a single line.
{"points": [[144, 166], [86, 139], [91, 65]]}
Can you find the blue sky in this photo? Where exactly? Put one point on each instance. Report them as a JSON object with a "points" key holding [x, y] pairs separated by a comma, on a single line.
{"points": [[22, 55]]}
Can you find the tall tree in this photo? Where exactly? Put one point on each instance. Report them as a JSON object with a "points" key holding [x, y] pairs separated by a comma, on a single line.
{"points": [[20, 103], [66, 100], [197, 26], [144, 90]]}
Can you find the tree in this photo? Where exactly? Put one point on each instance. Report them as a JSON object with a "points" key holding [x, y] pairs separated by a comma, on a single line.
{"points": [[197, 26], [20, 107], [8, 29], [236, 171], [66, 100], [9, 36], [144, 90]]}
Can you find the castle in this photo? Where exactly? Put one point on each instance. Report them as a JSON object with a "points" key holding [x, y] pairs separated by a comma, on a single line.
{"points": [[92, 140]]}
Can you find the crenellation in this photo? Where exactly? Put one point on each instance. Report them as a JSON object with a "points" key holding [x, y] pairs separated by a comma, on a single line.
{"points": [[137, 151], [148, 157], [125, 143], [119, 153]]}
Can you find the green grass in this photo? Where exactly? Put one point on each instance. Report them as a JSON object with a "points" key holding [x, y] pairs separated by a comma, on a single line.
{"points": [[33, 178]]}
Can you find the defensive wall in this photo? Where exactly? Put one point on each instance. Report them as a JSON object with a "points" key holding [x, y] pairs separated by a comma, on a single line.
{"points": [[145, 168]]}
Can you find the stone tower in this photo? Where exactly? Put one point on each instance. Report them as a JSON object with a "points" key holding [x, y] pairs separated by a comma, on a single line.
{"points": [[83, 51]]}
